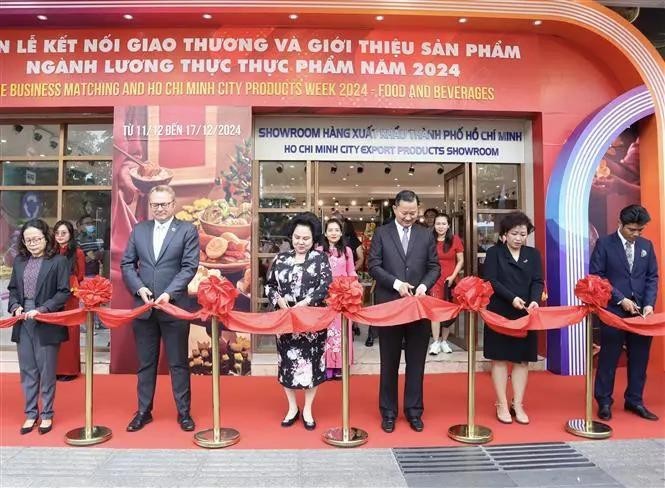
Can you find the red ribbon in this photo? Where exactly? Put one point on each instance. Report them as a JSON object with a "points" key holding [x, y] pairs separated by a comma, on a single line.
{"points": [[345, 294], [594, 291], [473, 293], [217, 296], [94, 292]]}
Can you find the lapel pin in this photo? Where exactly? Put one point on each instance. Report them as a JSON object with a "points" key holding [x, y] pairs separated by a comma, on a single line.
{"points": [[172, 229], [643, 253], [525, 261]]}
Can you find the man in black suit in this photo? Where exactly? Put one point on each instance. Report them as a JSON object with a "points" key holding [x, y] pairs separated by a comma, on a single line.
{"points": [[628, 261], [161, 258], [403, 261]]}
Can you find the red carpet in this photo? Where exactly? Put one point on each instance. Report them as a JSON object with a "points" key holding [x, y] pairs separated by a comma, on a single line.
{"points": [[255, 406]]}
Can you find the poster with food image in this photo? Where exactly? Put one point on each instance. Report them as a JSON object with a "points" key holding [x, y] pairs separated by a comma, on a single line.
{"points": [[204, 153]]}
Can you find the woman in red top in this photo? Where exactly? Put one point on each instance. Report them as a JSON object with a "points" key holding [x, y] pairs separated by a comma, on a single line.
{"points": [[69, 357], [450, 250]]}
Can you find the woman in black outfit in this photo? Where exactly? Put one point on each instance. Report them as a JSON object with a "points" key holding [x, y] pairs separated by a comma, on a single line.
{"points": [[514, 270], [39, 283]]}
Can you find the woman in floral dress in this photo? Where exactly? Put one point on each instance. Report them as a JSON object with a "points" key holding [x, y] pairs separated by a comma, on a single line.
{"points": [[300, 278], [340, 257]]}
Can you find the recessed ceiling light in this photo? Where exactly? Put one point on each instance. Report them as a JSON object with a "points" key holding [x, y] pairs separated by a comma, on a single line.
{"points": [[42, 17], [462, 20], [537, 22], [3, 141], [351, 167], [379, 18], [344, 179], [353, 202], [293, 16], [42, 155], [128, 16], [207, 16]]}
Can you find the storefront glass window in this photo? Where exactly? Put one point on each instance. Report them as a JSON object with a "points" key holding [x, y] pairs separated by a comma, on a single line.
{"points": [[93, 173], [273, 232], [89, 140], [28, 173], [498, 186], [25, 140], [282, 184]]}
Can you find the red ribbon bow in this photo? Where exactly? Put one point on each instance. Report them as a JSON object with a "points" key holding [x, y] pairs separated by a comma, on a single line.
{"points": [[94, 292], [217, 296], [594, 291], [345, 294], [473, 293]]}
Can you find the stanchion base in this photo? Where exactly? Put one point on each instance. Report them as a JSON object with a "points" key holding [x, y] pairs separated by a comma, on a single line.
{"points": [[206, 438], [476, 434], [335, 437], [589, 429], [77, 436]]}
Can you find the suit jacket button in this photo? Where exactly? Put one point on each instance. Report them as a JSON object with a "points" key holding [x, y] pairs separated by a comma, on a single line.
{"points": [[407, 268]]}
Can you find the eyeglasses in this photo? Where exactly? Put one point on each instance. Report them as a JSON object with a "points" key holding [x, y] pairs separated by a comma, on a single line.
{"points": [[34, 240], [160, 205]]}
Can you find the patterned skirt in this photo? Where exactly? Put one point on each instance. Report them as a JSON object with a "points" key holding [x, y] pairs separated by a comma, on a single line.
{"points": [[301, 360]]}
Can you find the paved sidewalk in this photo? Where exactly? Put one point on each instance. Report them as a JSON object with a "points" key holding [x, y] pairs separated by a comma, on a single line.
{"points": [[634, 463]]}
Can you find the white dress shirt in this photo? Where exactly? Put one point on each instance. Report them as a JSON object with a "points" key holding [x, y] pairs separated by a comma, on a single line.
{"points": [[159, 234]]}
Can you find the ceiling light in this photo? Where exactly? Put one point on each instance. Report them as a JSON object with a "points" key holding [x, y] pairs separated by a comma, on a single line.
{"points": [[320, 202], [207, 16], [344, 179], [379, 18], [411, 170], [537, 22], [351, 166], [42, 155], [462, 20], [440, 170], [2, 141], [386, 203], [333, 169], [396, 179], [353, 203], [128, 16], [42, 17], [293, 16]]}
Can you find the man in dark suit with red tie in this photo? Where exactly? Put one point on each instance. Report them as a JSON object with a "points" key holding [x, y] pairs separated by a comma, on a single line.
{"points": [[628, 261], [403, 261], [161, 258]]}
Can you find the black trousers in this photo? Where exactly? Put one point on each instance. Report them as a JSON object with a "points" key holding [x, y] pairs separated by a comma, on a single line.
{"points": [[637, 351], [148, 334], [416, 338]]}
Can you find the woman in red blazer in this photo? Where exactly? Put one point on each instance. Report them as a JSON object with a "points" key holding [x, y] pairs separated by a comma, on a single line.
{"points": [[69, 357]]}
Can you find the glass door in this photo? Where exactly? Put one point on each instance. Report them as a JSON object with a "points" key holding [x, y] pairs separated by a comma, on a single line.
{"points": [[282, 189]]}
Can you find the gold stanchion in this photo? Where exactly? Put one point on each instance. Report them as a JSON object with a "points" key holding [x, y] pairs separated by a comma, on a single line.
{"points": [[587, 427], [470, 432], [217, 436], [90, 434], [345, 436]]}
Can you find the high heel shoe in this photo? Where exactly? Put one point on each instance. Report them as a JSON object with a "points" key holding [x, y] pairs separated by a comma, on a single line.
{"points": [[292, 420], [502, 413], [45, 430], [27, 430], [520, 416]]}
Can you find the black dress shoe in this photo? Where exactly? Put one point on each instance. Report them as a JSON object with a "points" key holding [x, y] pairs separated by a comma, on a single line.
{"points": [[139, 421], [292, 420], [604, 412], [65, 377], [388, 425], [370, 341], [45, 430], [27, 430], [186, 422], [416, 423], [309, 425], [640, 410]]}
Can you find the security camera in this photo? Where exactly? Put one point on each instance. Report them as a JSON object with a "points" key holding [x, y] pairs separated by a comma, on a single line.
{"points": [[18, 128], [53, 143], [280, 168]]}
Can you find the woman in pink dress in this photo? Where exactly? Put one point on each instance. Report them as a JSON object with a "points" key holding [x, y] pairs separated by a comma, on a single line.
{"points": [[340, 257]]}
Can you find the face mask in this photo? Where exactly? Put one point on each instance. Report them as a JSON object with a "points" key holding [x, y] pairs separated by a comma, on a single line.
{"points": [[89, 229]]}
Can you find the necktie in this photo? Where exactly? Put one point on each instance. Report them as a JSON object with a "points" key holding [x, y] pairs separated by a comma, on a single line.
{"points": [[405, 239], [630, 256]]}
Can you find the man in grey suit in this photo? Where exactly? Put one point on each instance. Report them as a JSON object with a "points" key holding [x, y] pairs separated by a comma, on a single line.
{"points": [[161, 258], [403, 261]]}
